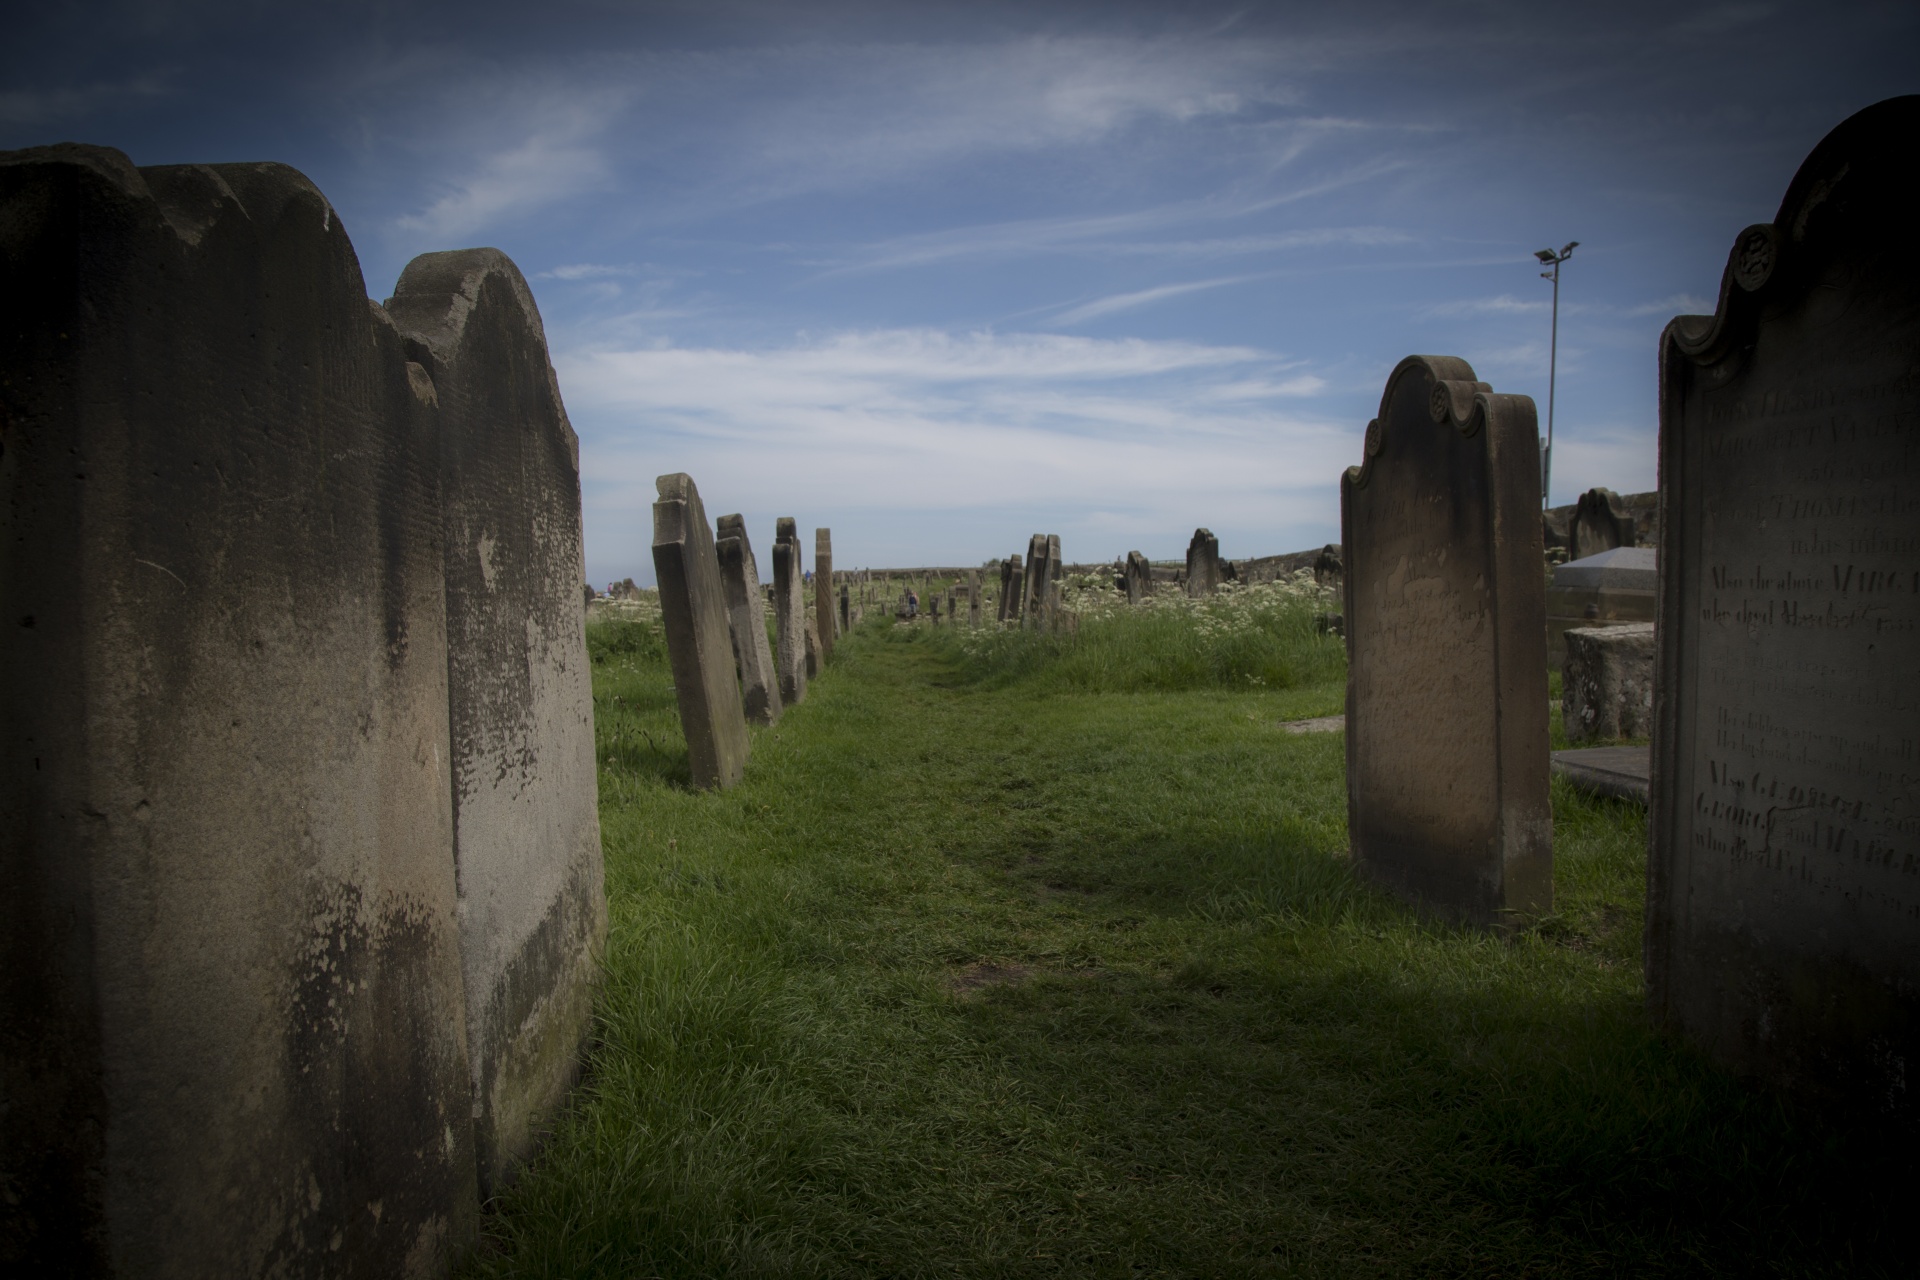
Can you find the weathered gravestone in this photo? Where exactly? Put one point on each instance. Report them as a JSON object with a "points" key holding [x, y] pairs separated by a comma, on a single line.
{"points": [[1783, 877], [1203, 564], [1033, 592], [747, 621], [1329, 569], [1138, 578], [693, 613], [533, 911], [1009, 593], [823, 590], [846, 610], [1446, 645], [231, 1008], [813, 647], [1606, 687], [790, 611], [1600, 523], [973, 598]]}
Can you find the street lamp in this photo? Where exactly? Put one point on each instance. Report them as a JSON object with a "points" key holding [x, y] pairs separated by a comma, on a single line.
{"points": [[1549, 258]]}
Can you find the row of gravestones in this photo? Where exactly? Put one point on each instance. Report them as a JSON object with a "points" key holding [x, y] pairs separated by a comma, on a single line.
{"points": [[298, 825], [1783, 876], [714, 616]]}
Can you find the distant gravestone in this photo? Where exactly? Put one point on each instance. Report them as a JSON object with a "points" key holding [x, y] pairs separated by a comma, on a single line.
{"points": [[747, 621], [533, 913], [1050, 607], [693, 612], [846, 610], [1019, 589], [789, 612], [823, 591], [1035, 588], [813, 647], [230, 964], [1329, 570], [1600, 523], [1446, 644], [1004, 605], [1783, 927], [1139, 578], [973, 599], [1203, 564]]}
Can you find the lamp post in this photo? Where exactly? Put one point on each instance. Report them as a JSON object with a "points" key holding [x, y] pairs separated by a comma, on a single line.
{"points": [[1549, 258]]}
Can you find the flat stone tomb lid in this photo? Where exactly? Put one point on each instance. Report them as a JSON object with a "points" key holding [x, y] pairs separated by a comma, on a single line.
{"points": [[1629, 568]]}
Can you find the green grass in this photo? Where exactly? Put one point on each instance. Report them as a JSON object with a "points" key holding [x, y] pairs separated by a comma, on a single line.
{"points": [[980, 973]]}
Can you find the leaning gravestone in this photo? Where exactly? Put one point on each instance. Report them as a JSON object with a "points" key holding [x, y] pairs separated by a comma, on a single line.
{"points": [[790, 611], [1005, 606], [1203, 564], [1600, 523], [973, 599], [230, 966], [1034, 589], [823, 590], [747, 620], [693, 613], [1783, 923], [533, 913], [1139, 578], [1446, 645]]}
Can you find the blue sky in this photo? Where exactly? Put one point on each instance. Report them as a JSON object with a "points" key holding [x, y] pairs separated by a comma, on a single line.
{"points": [[942, 276]]}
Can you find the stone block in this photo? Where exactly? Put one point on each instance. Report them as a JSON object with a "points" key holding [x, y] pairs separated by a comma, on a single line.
{"points": [[1606, 690], [693, 612], [747, 621], [230, 970], [790, 612], [533, 914], [1446, 635], [1783, 906]]}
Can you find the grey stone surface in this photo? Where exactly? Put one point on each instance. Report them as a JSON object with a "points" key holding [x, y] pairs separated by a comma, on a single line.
{"points": [[1783, 922], [1138, 577], [1621, 773], [1600, 522], [813, 647], [1017, 592], [824, 613], [231, 1008], [1007, 606], [533, 914], [747, 621], [1319, 724], [1606, 689], [1033, 590], [1446, 636], [1609, 589], [693, 613], [1203, 564], [790, 611], [973, 598]]}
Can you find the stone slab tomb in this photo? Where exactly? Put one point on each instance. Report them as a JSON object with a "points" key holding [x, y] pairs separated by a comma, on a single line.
{"points": [[823, 591], [747, 621], [1613, 588], [230, 965], [520, 699], [1618, 773], [790, 611], [1446, 644], [693, 613], [1606, 690], [1203, 564], [1783, 878]]}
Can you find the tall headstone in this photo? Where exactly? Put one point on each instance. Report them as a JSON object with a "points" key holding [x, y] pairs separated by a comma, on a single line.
{"points": [[1783, 922], [1446, 645], [1203, 564], [1138, 577], [846, 610], [973, 598], [823, 590], [790, 611], [747, 620], [1004, 607], [1018, 587], [1600, 523], [533, 914], [813, 647], [231, 1007], [693, 613], [1051, 597]]}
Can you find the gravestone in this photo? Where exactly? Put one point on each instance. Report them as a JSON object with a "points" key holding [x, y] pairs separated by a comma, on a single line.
{"points": [[747, 621], [1008, 606], [1609, 589], [846, 610], [1600, 523], [1139, 578], [1329, 570], [1203, 564], [1783, 921], [1034, 589], [790, 611], [823, 592], [1446, 646], [813, 647], [1606, 690], [973, 599], [230, 979], [533, 914], [693, 613]]}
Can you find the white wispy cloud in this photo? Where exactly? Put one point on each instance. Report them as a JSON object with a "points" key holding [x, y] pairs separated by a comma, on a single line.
{"points": [[44, 106], [1147, 297]]}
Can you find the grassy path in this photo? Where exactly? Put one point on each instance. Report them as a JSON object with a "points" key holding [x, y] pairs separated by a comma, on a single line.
{"points": [[982, 983]]}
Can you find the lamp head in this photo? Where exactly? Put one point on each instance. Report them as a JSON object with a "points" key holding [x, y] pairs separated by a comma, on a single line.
{"points": [[1545, 255]]}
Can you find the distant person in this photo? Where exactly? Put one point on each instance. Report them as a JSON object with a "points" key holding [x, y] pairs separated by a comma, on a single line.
{"points": [[913, 604]]}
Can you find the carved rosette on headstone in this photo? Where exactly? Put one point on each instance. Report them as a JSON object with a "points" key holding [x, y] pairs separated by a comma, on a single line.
{"points": [[1600, 523], [790, 611], [693, 613], [232, 992], [747, 621], [1203, 564], [1783, 922], [525, 800], [1446, 643], [823, 608]]}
